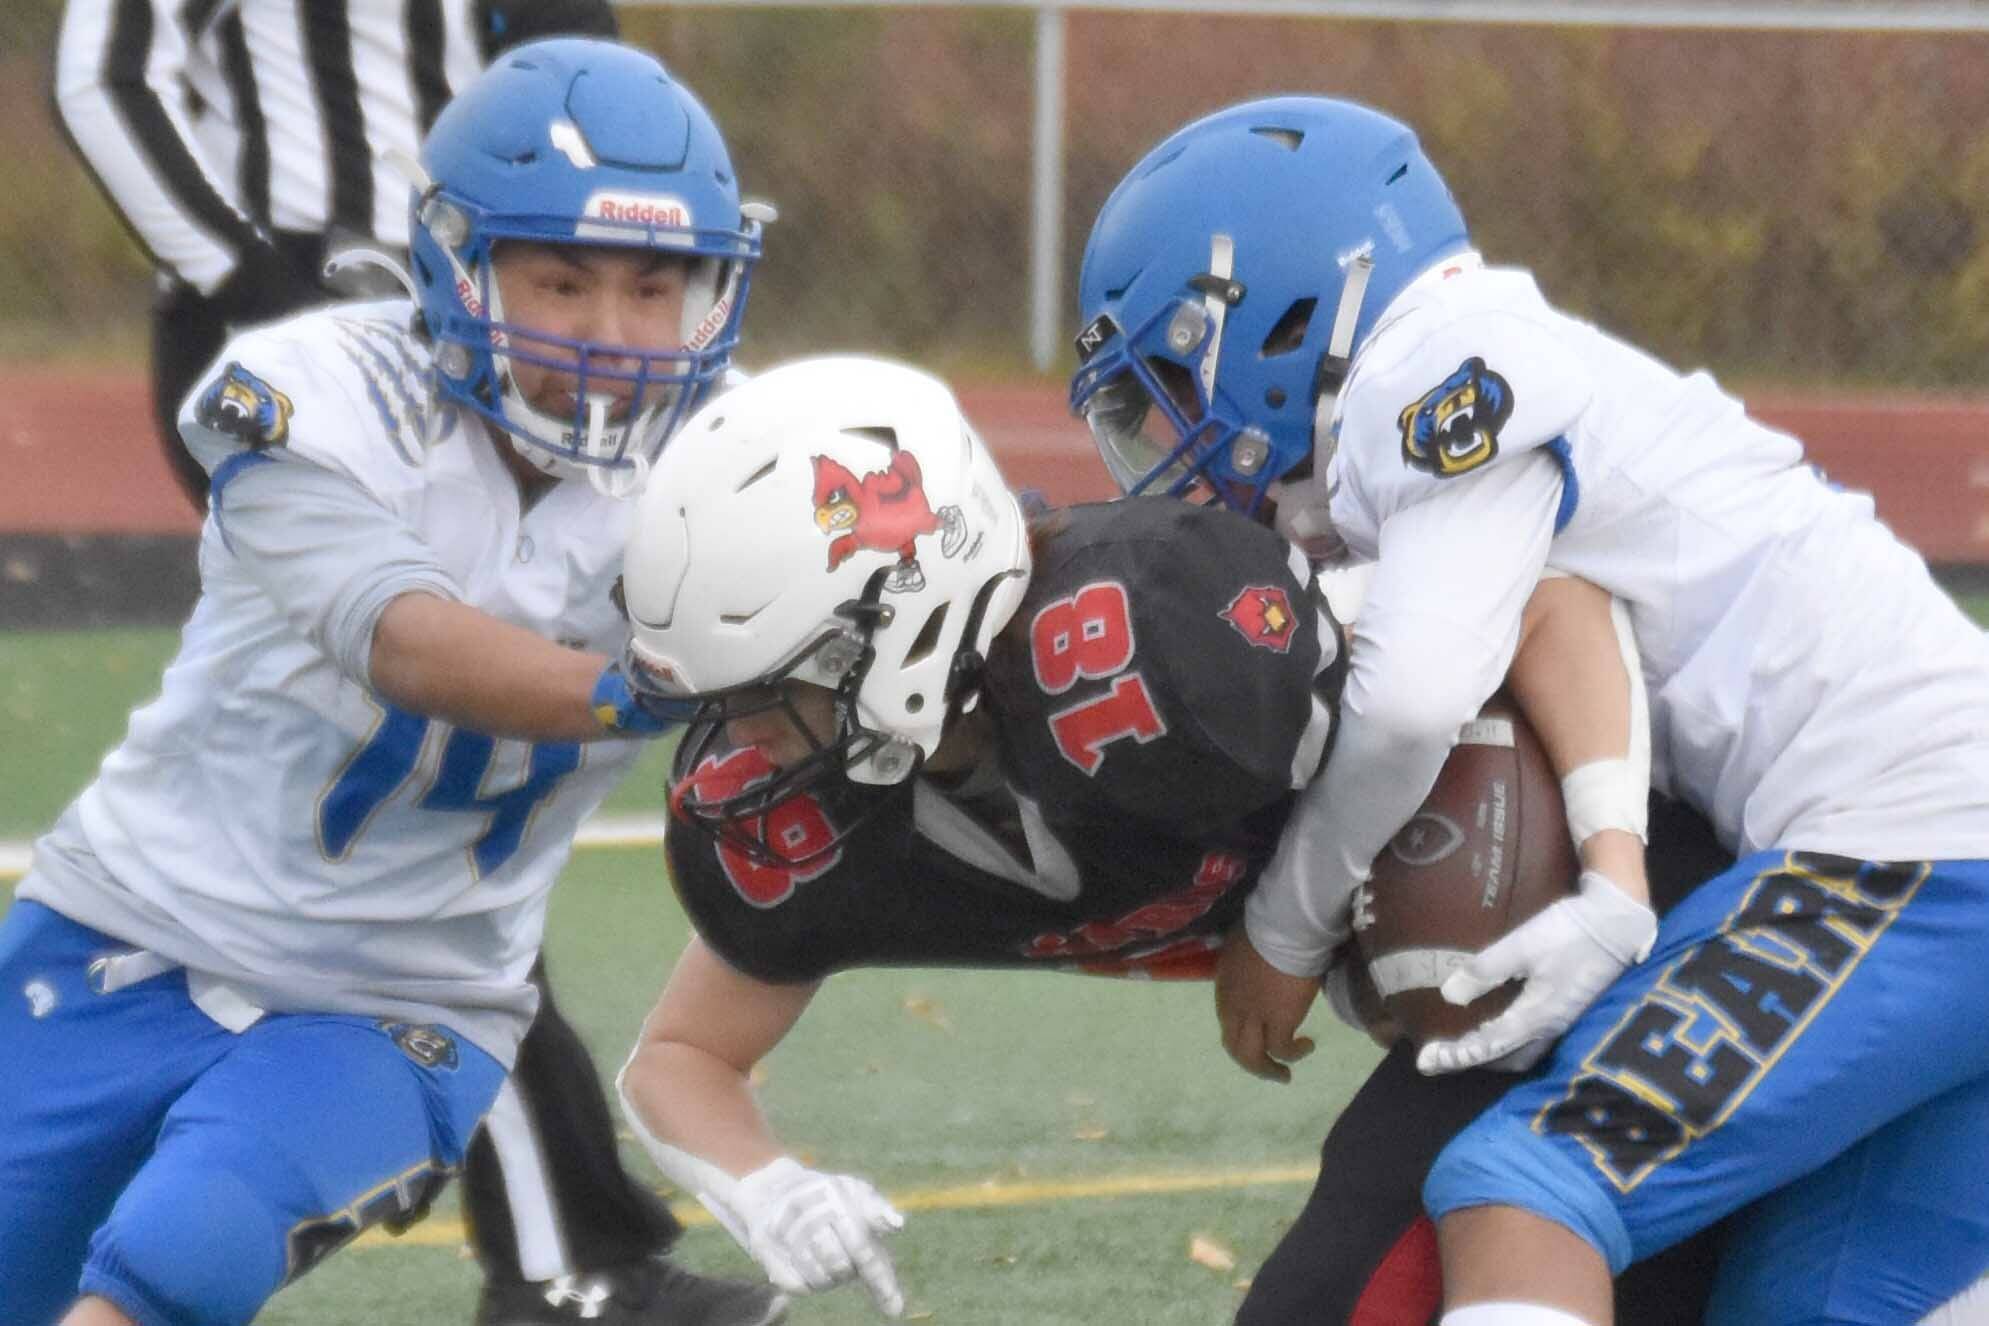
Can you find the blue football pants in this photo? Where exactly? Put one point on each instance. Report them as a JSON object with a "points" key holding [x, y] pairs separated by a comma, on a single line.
{"points": [[184, 1172], [1808, 1045]]}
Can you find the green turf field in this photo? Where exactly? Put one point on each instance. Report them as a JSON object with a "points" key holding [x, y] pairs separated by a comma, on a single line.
{"points": [[1059, 1143]]}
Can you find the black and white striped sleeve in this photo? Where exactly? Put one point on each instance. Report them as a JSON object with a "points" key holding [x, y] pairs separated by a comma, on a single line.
{"points": [[121, 90]]}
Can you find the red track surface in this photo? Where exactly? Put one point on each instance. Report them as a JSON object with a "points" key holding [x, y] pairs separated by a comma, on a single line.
{"points": [[80, 457]]}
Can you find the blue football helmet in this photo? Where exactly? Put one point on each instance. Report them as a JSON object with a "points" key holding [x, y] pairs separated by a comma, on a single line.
{"points": [[1229, 280], [579, 141]]}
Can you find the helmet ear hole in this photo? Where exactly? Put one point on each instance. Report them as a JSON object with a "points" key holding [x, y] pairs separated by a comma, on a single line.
{"points": [[929, 634], [1288, 334]]}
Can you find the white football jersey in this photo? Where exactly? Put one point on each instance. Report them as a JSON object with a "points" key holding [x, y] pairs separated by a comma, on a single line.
{"points": [[269, 822], [1810, 685]]}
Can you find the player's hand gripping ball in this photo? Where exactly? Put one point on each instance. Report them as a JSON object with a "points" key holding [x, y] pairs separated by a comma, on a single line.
{"points": [[1488, 849]]}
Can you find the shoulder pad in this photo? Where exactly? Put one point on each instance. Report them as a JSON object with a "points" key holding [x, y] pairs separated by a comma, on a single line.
{"points": [[344, 387], [1468, 372]]}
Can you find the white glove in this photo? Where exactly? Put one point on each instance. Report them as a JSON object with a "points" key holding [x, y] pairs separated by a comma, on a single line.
{"points": [[812, 1231], [1567, 955]]}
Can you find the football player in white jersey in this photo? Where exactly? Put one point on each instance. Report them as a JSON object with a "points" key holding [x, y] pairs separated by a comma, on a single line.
{"points": [[1281, 305], [274, 960]]}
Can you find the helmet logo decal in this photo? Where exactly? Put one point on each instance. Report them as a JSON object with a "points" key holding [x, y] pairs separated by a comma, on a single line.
{"points": [[624, 209], [467, 292], [1094, 336], [566, 137], [1262, 615], [713, 322], [241, 405], [1390, 221], [884, 511], [1453, 428]]}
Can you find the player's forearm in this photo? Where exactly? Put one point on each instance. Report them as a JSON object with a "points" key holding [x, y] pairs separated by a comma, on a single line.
{"points": [[1397, 725], [1568, 674], [687, 1084], [1578, 681], [447, 660], [686, 1099], [1422, 665]]}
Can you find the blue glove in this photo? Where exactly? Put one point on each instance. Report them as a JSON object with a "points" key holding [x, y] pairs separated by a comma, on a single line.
{"points": [[627, 714]]}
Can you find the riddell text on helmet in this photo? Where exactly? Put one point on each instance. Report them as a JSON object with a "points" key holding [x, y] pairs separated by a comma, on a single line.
{"points": [[638, 209]]}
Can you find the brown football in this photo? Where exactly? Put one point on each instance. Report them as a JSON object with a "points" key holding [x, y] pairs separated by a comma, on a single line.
{"points": [[1487, 850]]}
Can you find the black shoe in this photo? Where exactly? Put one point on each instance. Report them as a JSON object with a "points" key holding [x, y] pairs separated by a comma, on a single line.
{"points": [[656, 1292]]}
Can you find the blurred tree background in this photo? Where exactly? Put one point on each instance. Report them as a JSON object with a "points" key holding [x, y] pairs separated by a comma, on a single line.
{"points": [[1807, 208]]}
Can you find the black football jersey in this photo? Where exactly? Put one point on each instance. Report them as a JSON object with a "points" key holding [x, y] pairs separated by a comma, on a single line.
{"points": [[1169, 679]]}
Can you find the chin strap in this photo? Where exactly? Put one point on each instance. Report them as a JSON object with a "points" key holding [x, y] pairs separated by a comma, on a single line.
{"points": [[352, 259], [613, 480]]}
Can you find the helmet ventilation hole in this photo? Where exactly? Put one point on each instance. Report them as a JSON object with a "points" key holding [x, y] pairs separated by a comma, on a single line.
{"points": [[928, 637], [756, 476], [1288, 139], [1289, 333], [876, 433]]}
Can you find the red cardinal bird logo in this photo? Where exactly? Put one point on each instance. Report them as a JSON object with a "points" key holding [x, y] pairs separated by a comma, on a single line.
{"points": [[1263, 616], [885, 511]]}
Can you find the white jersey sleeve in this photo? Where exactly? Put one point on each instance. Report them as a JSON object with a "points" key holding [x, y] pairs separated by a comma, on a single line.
{"points": [[311, 430], [1434, 637], [345, 388], [1455, 382], [1451, 472], [328, 554]]}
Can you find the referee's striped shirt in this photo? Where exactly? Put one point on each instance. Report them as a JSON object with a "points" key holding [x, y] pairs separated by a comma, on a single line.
{"points": [[209, 122]]}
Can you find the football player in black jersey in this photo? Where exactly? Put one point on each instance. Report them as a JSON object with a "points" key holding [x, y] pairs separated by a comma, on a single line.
{"points": [[931, 732]]}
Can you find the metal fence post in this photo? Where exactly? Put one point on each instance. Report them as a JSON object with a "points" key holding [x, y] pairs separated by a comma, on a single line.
{"points": [[1046, 231]]}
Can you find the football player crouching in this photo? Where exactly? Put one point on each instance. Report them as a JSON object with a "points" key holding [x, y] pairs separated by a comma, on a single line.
{"points": [[1079, 735]]}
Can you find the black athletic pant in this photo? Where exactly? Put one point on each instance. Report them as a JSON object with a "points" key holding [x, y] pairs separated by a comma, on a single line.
{"points": [[187, 334], [189, 331], [556, 1161], [1362, 1253]]}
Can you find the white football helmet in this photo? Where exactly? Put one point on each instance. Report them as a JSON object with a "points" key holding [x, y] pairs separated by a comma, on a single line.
{"points": [[835, 521]]}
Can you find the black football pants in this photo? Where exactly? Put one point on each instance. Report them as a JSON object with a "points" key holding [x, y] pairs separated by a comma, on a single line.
{"points": [[544, 1191]]}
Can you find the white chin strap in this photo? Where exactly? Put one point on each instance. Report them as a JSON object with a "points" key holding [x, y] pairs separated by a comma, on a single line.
{"points": [[359, 256], [621, 480]]}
